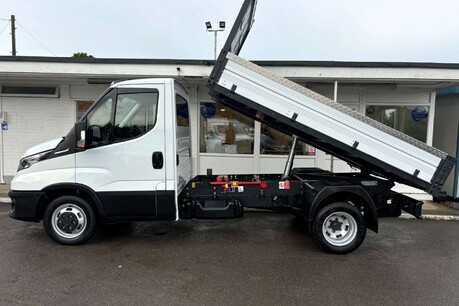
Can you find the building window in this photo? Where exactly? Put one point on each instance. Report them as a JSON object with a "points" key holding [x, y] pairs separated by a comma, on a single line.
{"points": [[30, 90], [411, 120], [81, 108], [273, 142], [225, 131]]}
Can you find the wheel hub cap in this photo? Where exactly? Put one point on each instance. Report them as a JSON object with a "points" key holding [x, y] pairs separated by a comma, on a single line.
{"points": [[69, 221], [339, 229], [335, 225]]}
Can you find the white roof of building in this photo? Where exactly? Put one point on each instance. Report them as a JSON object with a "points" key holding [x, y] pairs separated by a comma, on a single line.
{"points": [[435, 75]]}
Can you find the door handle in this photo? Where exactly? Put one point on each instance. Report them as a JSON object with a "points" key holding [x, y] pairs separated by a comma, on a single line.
{"points": [[157, 160]]}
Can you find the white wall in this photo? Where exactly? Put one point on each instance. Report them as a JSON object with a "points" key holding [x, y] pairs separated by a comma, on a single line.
{"points": [[35, 120], [31, 121]]}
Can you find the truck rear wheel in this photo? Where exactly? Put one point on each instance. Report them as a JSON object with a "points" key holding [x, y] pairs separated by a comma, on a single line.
{"points": [[69, 220], [339, 228]]}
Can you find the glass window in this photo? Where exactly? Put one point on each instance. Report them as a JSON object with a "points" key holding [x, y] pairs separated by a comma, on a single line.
{"points": [[411, 120], [274, 142], [99, 122], [81, 108], [223, 130], [182, 111], [135, 114]]}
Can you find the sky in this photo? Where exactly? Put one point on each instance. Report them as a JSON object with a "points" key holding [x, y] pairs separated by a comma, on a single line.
{"points": [[330, 30]]}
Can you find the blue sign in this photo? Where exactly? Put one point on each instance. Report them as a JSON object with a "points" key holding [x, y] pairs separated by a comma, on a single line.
{"points": [[4, 126], [420, 113], [208, 110]]}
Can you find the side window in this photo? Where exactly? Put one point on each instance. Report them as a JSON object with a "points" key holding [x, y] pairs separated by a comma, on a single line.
{"points": [[135, 114], [182, 111], [99, 122]]}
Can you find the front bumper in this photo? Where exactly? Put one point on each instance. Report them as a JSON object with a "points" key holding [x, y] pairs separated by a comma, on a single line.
{"points": [[25, 205]]}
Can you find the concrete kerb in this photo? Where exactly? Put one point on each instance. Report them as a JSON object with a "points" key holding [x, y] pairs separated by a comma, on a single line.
{"points": [[5, 200], [431, 217]]}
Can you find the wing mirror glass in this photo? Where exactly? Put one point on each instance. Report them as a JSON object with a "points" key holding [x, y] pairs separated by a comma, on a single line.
{"points": [[95, 135]]}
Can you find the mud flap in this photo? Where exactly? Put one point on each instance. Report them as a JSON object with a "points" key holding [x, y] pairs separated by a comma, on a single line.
{"points": [[407, 204]]}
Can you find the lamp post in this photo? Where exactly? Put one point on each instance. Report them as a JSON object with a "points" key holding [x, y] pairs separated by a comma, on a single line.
{"points": [[220, 29]]}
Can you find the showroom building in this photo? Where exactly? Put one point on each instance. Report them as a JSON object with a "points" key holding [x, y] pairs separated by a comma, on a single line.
{"points": [[41, 98]]}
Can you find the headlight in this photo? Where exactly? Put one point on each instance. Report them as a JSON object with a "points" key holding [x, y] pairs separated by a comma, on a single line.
{"points": [[28, 161]]}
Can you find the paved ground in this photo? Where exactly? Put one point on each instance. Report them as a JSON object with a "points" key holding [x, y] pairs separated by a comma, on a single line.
{"points": [[433, 208], [261, 259]]}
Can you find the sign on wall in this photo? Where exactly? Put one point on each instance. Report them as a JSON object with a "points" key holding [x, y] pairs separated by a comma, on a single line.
{"points": [[208, 110], [420, 113]]}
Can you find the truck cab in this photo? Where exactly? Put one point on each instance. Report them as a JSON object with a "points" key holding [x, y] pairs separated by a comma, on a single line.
{"points": [[127, 159]]}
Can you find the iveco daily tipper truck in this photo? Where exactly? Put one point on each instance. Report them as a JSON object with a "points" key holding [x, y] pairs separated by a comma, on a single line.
{"points": [[128, 158]]}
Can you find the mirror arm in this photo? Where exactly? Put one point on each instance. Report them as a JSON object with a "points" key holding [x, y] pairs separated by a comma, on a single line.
{"points": [[80, 135]]}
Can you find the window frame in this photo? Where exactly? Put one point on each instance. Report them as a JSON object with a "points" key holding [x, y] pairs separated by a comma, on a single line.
{"points": [[187, 107], [431, 107], [201, 135], [30, 95], [110, 94], [297, 154], [114, 93]]}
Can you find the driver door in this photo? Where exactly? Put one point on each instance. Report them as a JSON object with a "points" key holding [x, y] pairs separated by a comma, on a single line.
{"points": [[124, 157]]}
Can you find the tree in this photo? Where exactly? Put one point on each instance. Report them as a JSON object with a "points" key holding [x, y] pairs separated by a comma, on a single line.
{"points": [[82, 55]]}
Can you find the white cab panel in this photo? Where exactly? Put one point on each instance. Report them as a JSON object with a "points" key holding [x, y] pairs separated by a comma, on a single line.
{"points": [[127, 165], [45, 173]]}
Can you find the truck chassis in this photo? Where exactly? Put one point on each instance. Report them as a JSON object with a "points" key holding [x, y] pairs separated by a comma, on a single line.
{"points": [[355, 199]]}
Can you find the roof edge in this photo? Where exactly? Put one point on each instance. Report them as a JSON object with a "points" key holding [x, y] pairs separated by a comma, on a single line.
{"points": [[265, 63], [94, 60]]}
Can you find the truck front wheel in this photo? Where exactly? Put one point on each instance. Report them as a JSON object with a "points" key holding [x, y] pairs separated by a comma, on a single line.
{"points": [[339, 228], [69, 220]]}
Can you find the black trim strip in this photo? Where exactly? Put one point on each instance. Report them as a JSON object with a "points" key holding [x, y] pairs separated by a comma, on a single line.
{"points": [[138, 205]]}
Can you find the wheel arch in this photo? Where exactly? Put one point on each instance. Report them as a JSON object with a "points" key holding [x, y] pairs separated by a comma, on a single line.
{"points": [[57, 190], [353, 194]]}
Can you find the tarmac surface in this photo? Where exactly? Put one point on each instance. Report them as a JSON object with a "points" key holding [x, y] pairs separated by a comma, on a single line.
{"points": [[261, 259]]}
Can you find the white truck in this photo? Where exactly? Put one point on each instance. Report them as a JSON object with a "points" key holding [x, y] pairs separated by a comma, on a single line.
{"points": [[128, 158]]}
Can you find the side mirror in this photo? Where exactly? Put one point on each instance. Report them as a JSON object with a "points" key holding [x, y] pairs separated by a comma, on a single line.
{"points": [[80, 135], [95, 135]]}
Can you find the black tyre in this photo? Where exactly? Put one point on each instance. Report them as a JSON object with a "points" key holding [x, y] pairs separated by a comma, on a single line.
{"points": [[339, 228], [69, 220]]}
